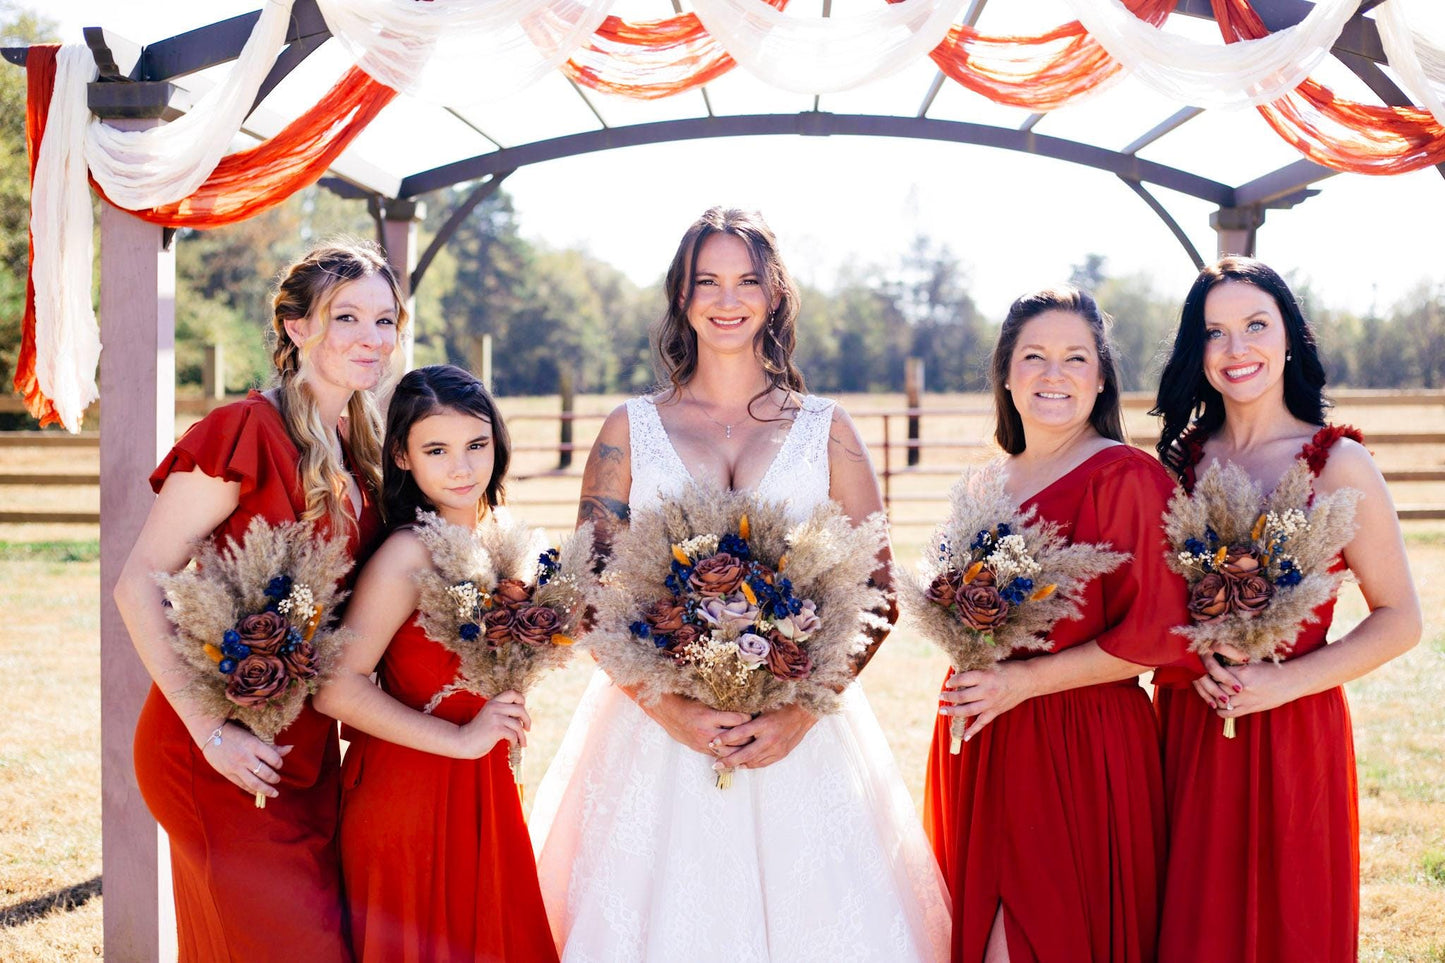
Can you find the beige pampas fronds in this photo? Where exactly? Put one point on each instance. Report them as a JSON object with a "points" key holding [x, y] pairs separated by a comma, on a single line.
{"points": [[226, 584], [1293, 539], [824, 559], [462, 589]]}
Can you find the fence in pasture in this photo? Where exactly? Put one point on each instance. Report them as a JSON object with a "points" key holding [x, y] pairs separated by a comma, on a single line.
{"points": [[51, 477]]}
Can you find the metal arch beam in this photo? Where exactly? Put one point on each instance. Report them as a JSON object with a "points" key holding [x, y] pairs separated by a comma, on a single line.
{"points": [[819, 125], [1168, 220], [482, 191], [221, 42]]}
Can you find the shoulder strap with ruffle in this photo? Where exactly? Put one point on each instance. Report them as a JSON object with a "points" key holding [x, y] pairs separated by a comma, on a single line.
{"points": [[1316, 451], [1191, 443]]}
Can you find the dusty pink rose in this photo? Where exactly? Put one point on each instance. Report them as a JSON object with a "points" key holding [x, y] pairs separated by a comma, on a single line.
{"points": [[981, 607], [257, 680], [535, 624], [263, 632], [1209, 598], [1252, 594], [716, 575], [511, 593], [802, 623], [1241, 562], [498, 626], [736, 612], [753, 648]]}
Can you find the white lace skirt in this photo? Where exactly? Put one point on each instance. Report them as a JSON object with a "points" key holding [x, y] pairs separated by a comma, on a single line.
{"points": [[820, 856]]}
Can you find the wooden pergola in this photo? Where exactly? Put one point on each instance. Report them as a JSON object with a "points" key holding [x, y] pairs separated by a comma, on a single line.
{"points": [[140, 85]]}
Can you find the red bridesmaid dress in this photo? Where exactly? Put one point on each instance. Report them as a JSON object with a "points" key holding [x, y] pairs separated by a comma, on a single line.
{"points": [[1264, 859], [250, 884], [1055, 810], [435, 853]]}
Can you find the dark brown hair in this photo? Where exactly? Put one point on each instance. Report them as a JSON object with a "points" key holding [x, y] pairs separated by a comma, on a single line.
{"points": [[1106, 417]]}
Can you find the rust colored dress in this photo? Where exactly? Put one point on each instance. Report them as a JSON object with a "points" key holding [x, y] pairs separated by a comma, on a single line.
{"points": [[250, 884], [436, 858], [1264, 860], [1055, 810]]}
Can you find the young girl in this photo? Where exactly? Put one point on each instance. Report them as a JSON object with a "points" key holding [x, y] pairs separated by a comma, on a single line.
{"points": [[435, 856]]}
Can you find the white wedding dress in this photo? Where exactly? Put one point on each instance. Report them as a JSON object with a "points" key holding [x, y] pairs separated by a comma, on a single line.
{"points": [[819, 856]]}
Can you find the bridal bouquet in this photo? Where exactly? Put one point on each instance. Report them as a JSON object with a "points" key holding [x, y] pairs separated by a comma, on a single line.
{"points": [[999, 579], [506, 604], [1257, 565], [721, 597], [251, 623]]}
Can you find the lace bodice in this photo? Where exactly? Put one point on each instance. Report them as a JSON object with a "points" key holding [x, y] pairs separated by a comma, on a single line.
{"points": [[798, 474]]}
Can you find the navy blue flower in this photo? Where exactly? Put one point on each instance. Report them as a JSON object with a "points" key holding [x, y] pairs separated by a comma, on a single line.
{"points": [[235, 650], [1003, 530], [1194, 546], [735, 545], [547, 566], [674, 584], [981, 541], [1211, 534], [1024, 585], [279, 587], [640, 629], [227, 666], [1289, 578], [469, 631], [293, 635], [231, 637]]}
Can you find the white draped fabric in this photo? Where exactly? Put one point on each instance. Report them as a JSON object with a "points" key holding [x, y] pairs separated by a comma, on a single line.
{"points": [[816, 55], [67, 340], [161, 165], [1413, 35], [1215, 75], [462, 51]]}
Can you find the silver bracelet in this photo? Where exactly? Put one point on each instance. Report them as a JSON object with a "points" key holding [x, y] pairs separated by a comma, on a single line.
{"points": [[214, 739]]}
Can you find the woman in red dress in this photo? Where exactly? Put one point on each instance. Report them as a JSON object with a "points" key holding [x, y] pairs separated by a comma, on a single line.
{"points": [[263, 884], [435, 854], [1049, 825], [1264, 834]]}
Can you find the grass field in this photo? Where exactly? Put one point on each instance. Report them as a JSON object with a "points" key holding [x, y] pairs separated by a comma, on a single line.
{"points": [[49, 729]]}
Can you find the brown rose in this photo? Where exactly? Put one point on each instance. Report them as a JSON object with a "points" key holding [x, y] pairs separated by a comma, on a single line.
{"points": [[535, 624], [680, 638], [1252, 594], [945, 587], [498, 626], [511, 593], [301, 661], [984, 576], [263, 632], [663, 616], [1240, 563], [786, 659], [1209, 598], [257, 679], [981, 607], [716, 575]]}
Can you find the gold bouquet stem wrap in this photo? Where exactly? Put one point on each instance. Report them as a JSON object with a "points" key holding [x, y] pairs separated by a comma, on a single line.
{"points": [[957, 726], [514, 759], [1229, 728], [1228, 664], [261, 796], [724, 779]]}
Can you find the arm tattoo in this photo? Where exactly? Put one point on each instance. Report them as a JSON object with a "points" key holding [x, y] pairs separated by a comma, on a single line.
{"points": [[609, 453], [852, 450]]}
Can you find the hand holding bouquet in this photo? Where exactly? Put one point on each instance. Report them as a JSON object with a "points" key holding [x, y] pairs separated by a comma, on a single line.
{"points": [[721, 597], [504, 603], [998, 580], [1257, 566], [251, 623]]}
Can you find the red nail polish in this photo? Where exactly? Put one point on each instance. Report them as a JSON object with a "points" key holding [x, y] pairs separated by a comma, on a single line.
{"points": [[1239, 688]]}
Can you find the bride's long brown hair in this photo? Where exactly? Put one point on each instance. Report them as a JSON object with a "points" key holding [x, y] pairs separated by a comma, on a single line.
{"points": [[673, 339]]}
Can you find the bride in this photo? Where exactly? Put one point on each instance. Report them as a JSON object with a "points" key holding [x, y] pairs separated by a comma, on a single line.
{"points": [[815, 852]]}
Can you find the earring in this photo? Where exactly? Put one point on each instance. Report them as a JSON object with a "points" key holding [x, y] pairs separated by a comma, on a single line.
{"points": [[1287, 356], [1101, 389], [1007, 387]]}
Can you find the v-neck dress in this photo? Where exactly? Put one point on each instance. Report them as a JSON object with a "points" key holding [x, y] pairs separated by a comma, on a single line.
{"points": [[251, 884], [817, 857], [1055, 810], [1264, 831]]}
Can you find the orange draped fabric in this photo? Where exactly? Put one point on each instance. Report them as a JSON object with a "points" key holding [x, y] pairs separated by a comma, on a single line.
{"points": [[1341, 134], [1038, 73], [40, 79], [651, 59], [250, 181]]}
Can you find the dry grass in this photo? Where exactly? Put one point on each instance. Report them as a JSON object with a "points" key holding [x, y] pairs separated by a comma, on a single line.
{"points": [[50, 751]]}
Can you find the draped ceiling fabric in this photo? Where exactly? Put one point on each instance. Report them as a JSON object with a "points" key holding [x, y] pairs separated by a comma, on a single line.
{"points": [[456, 53]]}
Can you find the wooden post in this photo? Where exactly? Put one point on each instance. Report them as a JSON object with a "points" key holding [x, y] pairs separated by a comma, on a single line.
{"points": [[398, 230], [213, 373], [565, 389], [1236, 229], [137, 426], [486, 373], [913, 391]]}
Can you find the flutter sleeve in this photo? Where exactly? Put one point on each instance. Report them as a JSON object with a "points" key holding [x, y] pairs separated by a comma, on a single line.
{"points": [[1143, 600], [230, 443]]}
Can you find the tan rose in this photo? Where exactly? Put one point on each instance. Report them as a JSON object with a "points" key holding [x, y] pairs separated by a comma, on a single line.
{"points": [[301, 661], [535, 624], [257, 679], [511, 593], [981, 607], [984, 576], [1209, 598], [1241, 562], [716, 575], [663, 616], [786, 659], [945, 587], [263, 632], [1252, 594], [498, 626]]}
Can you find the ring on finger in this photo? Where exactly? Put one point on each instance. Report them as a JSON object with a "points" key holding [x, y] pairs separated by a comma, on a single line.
{"points": [[257, 770]]}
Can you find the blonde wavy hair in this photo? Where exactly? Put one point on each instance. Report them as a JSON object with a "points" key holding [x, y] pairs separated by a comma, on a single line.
{"points": [[306, 290]]}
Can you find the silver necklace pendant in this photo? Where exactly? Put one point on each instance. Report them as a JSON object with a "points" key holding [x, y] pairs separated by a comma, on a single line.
{"points": [[728, 431]]}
